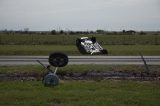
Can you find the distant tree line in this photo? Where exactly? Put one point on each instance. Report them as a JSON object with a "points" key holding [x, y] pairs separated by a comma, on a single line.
{"points": [[63, 32]]}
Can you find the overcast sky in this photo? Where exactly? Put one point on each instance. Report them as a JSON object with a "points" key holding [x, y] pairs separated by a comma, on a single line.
{"points": [[80, 14]]}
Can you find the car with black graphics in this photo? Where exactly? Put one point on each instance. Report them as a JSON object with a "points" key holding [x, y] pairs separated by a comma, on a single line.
{"points": [[89, 45]]}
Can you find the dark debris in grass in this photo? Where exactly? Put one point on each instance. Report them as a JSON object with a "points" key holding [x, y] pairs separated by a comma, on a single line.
{"points": [[91, 75]]}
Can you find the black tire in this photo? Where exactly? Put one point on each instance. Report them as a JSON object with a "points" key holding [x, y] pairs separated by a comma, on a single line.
{"points": [[58, 59], [104, 51], [78, 41], [50, 80], [93, 39]]}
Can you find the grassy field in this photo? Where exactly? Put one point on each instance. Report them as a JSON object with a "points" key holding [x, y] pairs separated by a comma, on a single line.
{"points": [[72, 50], [80, 93], [38, 44], [38, 39]]}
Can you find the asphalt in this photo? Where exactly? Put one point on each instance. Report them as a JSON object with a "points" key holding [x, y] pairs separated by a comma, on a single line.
{"points": [[108, 60]]}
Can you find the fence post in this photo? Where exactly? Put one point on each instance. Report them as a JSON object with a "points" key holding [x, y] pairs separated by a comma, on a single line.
{"points": [[144, 61]]}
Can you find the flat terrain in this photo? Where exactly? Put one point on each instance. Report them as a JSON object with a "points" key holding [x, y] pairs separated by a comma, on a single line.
{"points": [[113, 50], [61, 39], [12, 43], [96, 92], [80, 93]]}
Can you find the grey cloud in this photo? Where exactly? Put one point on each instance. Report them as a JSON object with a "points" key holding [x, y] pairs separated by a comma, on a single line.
{"points": [[80, 14]]}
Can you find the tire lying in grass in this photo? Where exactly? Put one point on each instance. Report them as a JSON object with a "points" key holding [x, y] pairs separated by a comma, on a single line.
{"points": [[104, 51], [58, 59], [50, 80], [93, 39]]}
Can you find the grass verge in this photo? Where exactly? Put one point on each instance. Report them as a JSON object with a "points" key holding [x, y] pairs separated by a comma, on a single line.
{"points": [[104, 39], [80, 93], [37, 69], [72, 50]]}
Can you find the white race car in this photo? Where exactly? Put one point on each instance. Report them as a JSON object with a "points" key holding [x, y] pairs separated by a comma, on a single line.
{"points": [[88, 45]]}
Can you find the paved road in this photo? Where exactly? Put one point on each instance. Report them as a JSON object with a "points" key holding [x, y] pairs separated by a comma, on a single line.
{"points": [[117, 60]]}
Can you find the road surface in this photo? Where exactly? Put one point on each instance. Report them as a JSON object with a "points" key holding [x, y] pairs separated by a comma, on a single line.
{"points": [[108, 60]]}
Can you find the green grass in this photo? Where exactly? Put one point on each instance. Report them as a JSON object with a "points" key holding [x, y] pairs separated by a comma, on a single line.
{"points": [[37, 44], [80, 93], [72, 50], [133, 49], [38, 69], [36, 49], [29, 39]]}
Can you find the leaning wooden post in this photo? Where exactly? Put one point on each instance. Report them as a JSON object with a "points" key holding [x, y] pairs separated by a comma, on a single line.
{"points": [[144, 61]]}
